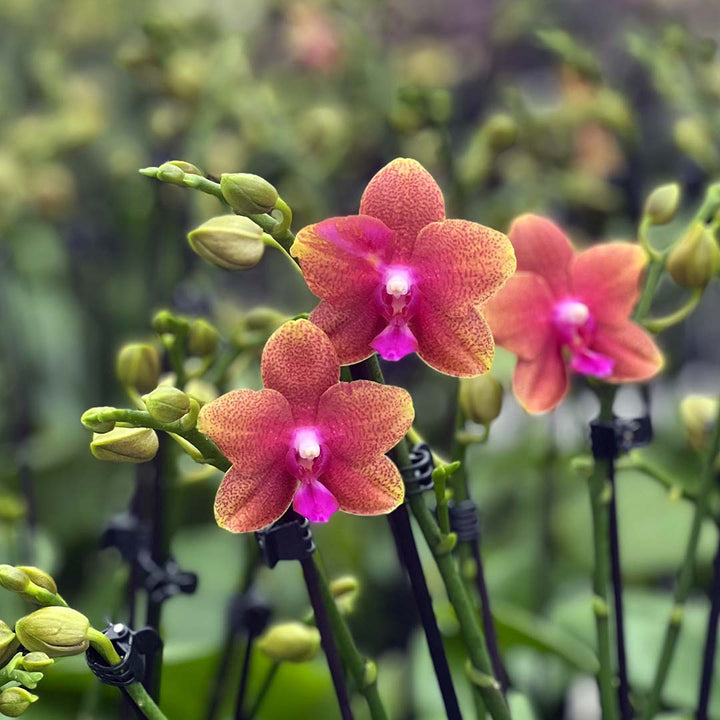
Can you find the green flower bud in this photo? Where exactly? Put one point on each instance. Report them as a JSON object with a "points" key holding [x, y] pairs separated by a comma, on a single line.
{"points": [[13, 579], [662, 203], [40, 578], [167, 404], [500, 130], [698, 413], [232, 242], [481, 398], [91, 421], [186, 167], [12, 508], [203, 391], [128, 445], [264, 318], [695, 258], [290, 642], [55, 631], [8, 643], [36, 661], [168, 172], [345, 590], [248, 194], [693, 136], [202, 339], [15, 701], [166, 322], [138, 366]]}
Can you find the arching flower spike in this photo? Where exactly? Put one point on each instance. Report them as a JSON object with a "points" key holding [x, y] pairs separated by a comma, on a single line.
{"points": [[565, 310], [399, 278], [306, 439]]}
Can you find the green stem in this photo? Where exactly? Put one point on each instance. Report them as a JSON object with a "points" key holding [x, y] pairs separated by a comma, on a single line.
{"points": [[267, 683], [656, 325], [270, 241], [652, 280], [686, 576], [362, 670], [599, 498], [284, 225]]}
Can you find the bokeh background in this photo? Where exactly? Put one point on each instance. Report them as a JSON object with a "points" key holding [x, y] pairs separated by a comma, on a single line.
{"points": [[569, 108]]}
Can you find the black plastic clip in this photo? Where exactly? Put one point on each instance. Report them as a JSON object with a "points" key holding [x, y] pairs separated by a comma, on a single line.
{"points": [[464, 520], [127, 534], [134, 646], [610, 439], [248, 613], [287, 540], [418, 474], [162, 582]]}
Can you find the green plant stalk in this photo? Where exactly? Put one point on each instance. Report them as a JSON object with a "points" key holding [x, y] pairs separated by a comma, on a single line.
{"points": [[685, 578], [361, 670], [656, 325], [136, 691]]}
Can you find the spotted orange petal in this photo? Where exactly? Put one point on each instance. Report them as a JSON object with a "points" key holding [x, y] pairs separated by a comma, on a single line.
{"points": [[361, 420], [300, 362], [340, 258], [636, 356], [541, 383], [461, 263], [606, 278], [406, 198], [543, 248], [520, 314]]}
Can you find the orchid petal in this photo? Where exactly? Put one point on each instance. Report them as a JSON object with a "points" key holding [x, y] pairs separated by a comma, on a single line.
{"points": [[636, 356], [340, 258], [461, 263], [520, 314], [543, 248], [299, 361], [454, 345], [351, 331], [606, 278], [315, 502], [541, 383], [371, 488], [247, 501], [395, 341], [361, 420], [406, 198]]}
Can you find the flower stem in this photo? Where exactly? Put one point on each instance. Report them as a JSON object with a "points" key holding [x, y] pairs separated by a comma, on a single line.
{"points": [[685, 578], [710, 641], [267, 683], [656, 325]]}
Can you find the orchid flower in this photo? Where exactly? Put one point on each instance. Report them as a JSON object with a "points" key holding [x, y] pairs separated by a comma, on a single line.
{"points": [[399, 278], [566, 308], [306, 438]]}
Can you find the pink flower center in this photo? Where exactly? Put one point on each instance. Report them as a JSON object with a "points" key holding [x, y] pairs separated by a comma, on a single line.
{"points": [[575, 327], [396, 297], [307, 458]]}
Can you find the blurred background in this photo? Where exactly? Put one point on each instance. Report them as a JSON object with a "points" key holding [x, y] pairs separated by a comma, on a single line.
{"points": [[572, 109]]}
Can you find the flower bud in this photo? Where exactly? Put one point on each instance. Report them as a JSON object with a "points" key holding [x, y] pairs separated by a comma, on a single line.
{"points": [[55, 631], [36, 661], [203, 391], [290, 642], [92, 422], [186, 167], [202, 339], [15, 701], [698, 413], [232, 242], [500, 130], [138, 366], [662, 203], [248, 194], [345, 590], [8, 643], [40, 578], [264, 318], [695, 259], [128, 445], [481, 398], [13, 579], [166, 404], [12, 508], [170, 173]]}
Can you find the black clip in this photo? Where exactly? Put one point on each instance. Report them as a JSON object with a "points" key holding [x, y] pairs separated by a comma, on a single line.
{"points": [[127, 534], [610, 439], [287, 540], [248, 612], [418, 474], [134, 646], [464, 520], [165, 581]]}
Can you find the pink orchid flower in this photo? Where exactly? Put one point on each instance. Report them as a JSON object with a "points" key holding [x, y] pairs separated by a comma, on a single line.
{"points": [[399, 278], [306, 439], [563, 307]]}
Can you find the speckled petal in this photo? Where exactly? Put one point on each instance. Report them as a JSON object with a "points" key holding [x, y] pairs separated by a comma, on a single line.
{"points": [[350, 331], [340, 258], [540, 384], [248, 501], [299, 361], [406, 198], [373, 488], [361, 420], [460, 263], [543, 248], [251, 427], [520, 314], [636, 356], [606, 278], [459, 346]]}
